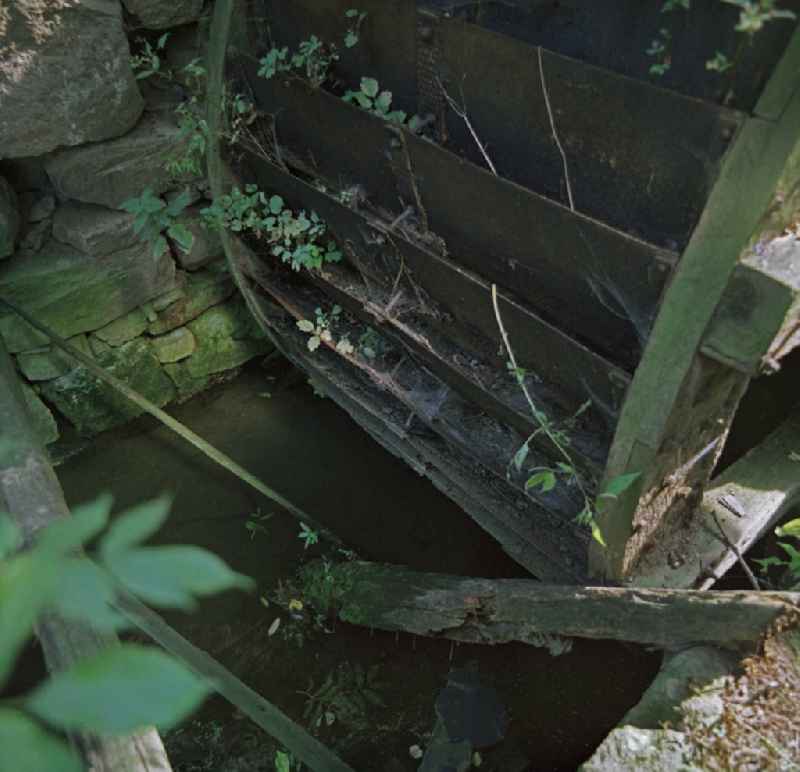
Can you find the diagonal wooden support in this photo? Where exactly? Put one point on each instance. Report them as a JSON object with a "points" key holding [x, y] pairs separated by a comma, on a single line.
{"points": [[757, 322], [745, 500], [678, 409]]}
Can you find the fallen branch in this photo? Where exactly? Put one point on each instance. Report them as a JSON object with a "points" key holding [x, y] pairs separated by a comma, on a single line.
{"points": [[461, 112], [499, 611], [554, 131]]}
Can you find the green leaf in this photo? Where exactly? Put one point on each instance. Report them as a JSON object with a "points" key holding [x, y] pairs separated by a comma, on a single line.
{"points": [[182, 236], [314, 343], [27, 584], [792, 528], [384, 101], [133, 527], [520, 456], [160, 246], [306, 326], [369, 86], [597, 534], [276, 205], [765, 563], [163, 39], [619, 484], [118, 691], [170, 577], [545, 479], [363, 100], [29, 748], [10, 536], [179, 203], [86, 593], [70, 533]]}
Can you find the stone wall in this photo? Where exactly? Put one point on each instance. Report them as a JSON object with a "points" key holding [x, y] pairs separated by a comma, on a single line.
{"points": [[79, 134]]}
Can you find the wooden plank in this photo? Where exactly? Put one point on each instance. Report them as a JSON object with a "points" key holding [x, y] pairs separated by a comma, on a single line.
{"points": [[659, 152], [616, 35], [569, 372], [386, 49], [757, 322], [662, 392], [530, 535], [503, 610], [748, 498], [31, 494], [596, 283]]}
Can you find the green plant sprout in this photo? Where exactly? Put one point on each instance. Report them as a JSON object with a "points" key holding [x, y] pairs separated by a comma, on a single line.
{"points": [[370, 98], [147, 62], [155, 220], [308, 536], [314, 57], [753, 15], [352, 35], [792, 565], [320, 330], [255, 523], [294, 238]]}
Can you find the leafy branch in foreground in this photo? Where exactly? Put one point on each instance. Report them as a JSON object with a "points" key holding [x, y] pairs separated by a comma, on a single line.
{"points": [[125, 687], [546, 477]]}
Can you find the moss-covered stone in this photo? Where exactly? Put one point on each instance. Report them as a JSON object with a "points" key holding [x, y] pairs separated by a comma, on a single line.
{"points": [[188, 386], [93, 406], [44, 423], [201, 291], [174, 346], [124, 329], [227, 337], [47, 363], [72, 292]]}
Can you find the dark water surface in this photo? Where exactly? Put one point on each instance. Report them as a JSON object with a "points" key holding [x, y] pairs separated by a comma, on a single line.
{"points": [[560, 708]]}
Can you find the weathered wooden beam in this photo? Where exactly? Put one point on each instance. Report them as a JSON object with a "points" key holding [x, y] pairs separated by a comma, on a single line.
{"points": [[31, 494], [744, 501], [757, 322], [529, 534], [652, 435], [502, 610], [592, 281]]}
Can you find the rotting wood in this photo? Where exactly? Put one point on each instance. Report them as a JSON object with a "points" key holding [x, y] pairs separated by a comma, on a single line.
{"points": [[503, 610], [537, 540], [746, 499], [662, 394], [31, 494], [585, 276], [757, 322], [573, 372]]}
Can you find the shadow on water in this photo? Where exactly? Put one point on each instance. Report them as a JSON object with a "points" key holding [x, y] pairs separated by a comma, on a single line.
{"points": [[560, 708]]}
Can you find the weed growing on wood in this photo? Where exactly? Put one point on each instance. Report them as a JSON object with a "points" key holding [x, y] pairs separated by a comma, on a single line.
{"points": [[314, 57], [156, 220], [320, 330], [295, 238], [545, 478], [792, 565], [370, 98], [308, 536], [753, 15]]}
